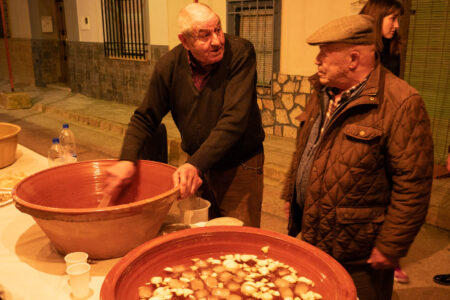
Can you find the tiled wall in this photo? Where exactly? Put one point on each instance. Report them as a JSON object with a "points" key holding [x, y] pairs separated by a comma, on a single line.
{"points": [[46, 61], [93, 74], [279, 112]]}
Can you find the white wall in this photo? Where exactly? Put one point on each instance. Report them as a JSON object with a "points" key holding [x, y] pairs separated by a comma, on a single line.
{"points": [[36, 10], [71, 16], [157, 13], [300, 18], [159, 31], [19, 19], [93, 32]]}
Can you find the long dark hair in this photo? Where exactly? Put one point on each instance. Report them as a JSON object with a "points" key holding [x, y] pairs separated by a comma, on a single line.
{"points": [[379, 9]]}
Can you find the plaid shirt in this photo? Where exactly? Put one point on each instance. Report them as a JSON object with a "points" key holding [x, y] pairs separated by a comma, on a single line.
{"points": [[346, 97]]}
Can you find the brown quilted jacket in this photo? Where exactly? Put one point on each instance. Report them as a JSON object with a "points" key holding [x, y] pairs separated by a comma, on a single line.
{"points": [[371, 177]]}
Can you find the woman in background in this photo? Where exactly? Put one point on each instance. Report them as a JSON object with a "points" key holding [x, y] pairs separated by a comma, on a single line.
{"points": [[386, 14]]}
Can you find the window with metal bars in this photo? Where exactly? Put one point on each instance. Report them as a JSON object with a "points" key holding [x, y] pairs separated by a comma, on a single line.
{"points": [[5, 10], [123, 29], [259, 22]]}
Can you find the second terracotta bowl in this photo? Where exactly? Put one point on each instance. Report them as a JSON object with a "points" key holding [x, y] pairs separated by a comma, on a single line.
{"points": [[63, 201], [136, 268]]}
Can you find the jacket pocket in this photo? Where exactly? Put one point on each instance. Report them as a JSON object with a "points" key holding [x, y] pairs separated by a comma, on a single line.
{"points": [[356, 231], [361, 133], [360, 148], [355, 215]]}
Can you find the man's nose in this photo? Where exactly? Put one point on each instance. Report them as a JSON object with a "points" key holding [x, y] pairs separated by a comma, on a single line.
{"points": [[316, 60], [215, 41]]}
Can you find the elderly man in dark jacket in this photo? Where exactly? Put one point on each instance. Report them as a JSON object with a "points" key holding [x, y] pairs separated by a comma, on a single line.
{"points": [[360, 180], [208, 83]]}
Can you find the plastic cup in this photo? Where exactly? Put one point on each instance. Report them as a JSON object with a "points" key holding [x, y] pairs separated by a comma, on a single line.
{"points": [[79, 278], [193, 210], [75, 258]]}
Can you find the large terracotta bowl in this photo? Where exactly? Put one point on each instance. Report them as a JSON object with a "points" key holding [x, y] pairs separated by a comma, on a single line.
{"points": [[63, 201], [138, 266], [9, 135]]}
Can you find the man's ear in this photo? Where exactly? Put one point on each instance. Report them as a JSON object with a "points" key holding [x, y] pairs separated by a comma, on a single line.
{"points": [[184, 41], [355, 56]]}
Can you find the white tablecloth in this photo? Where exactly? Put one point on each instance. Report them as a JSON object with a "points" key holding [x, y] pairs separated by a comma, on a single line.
{"points": [[30, 268]]}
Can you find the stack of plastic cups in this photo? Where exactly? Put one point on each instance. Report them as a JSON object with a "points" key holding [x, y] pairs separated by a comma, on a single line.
{"points": [[79, 274]]}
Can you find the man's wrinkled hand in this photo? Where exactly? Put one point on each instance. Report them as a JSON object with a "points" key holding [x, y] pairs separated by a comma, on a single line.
{"points": [[380, 261], [187, 177], [117, 177]]}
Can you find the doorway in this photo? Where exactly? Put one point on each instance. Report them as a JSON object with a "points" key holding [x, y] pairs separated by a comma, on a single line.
{"points": [[62, 37]]}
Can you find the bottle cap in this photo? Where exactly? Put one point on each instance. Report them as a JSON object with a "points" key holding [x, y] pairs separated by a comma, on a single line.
{"points": [[55, 140], [65, 125]]}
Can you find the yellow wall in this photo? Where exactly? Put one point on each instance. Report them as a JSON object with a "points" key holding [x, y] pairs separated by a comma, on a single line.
{"points": [[174, 7], [19, 19], [300, 18], [158, 22], [93, 32]]}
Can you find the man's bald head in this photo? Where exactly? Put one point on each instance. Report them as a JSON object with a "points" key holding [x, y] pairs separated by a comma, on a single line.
{"points": [[202, 34], [193, 14]]}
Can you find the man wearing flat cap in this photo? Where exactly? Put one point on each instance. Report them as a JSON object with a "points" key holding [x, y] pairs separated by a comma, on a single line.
{"points": [[360, 179]]}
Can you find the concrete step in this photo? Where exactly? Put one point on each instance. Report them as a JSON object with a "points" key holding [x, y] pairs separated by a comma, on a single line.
{"points": [[60, 86]]}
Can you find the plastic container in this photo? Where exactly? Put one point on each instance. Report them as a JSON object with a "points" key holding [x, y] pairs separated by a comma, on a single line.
{"points": [[55, 154], [67, 140], [193, 210], [8, 143], [79, 278]]}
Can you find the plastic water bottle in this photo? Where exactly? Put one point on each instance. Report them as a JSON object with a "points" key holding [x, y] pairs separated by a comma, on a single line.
{"points": [[67, 140], [55, 154]]}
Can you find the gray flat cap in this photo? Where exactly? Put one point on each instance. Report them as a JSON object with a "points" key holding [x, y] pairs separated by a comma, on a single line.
{"points": [[355, 29]]}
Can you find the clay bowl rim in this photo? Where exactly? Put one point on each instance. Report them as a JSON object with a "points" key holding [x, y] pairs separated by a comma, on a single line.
{"points": [[91, 210], [17, 127], [124, 265]]}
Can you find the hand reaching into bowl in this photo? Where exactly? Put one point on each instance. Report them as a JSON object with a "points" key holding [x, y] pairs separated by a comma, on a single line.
{"points": [[117, 177], [188, 178]]}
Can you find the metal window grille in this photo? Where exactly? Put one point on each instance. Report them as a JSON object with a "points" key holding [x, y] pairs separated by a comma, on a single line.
{"points": [[258, 21], [123, 29], [5, 8]]}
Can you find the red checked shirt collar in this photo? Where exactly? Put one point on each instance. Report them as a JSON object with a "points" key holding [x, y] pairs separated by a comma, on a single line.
{"points": [[200, 76]]}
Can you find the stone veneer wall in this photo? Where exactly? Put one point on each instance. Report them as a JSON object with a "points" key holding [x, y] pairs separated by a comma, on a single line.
{"points": [[46, 61], [279, 112], [95, 75]]}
